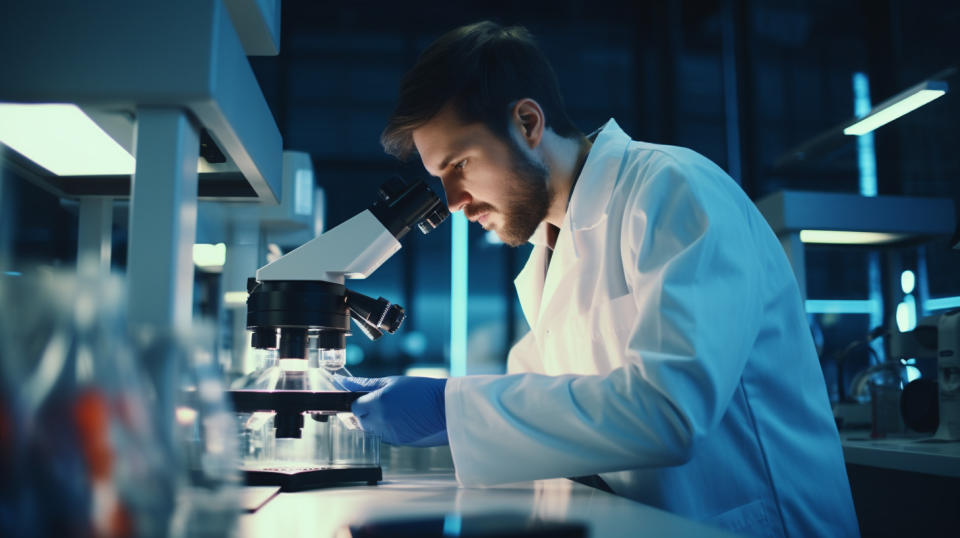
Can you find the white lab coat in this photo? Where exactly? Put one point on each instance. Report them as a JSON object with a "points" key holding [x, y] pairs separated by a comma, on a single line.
{"points": [[669, 352]]}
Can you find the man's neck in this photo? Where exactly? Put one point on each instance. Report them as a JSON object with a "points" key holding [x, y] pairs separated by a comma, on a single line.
{"points": [[565, 158]]}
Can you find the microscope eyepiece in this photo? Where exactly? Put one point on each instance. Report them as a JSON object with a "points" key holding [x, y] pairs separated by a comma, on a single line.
{"points": [[434, 219], [403, 206]]}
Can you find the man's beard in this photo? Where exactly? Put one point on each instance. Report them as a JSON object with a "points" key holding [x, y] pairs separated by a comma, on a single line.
{"points": [[528, 199]]}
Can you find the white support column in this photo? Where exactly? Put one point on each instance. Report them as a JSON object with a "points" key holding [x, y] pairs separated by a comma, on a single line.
{"points": [[794, 249], [242, 262], [163, 219], [94, 240]]}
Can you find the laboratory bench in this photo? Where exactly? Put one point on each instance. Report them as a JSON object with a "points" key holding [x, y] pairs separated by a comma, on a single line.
{"points": [[411, 496], [903, 485]]}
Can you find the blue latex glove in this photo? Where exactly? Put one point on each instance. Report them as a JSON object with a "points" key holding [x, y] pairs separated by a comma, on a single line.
{"points": [[403, 410]]}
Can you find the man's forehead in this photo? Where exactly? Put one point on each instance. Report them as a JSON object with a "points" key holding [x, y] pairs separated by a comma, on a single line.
{"points": [[438, 141]]}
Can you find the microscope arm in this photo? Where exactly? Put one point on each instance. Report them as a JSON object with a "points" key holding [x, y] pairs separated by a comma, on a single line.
{"points": [[357, 247], [354, 249]]}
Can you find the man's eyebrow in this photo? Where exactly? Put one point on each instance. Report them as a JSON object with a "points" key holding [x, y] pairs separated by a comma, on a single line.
{"points": [[454, 154], [446, 161]]}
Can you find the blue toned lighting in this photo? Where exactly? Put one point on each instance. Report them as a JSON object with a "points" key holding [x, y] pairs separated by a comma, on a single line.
{"points": [[458, 295], [908, 281], [303, 192], [492, 238], [354, 354], [452, 524], [866, 157], [13, 273], [414, 344], [867, 167], [942, 303], [838, 306]]}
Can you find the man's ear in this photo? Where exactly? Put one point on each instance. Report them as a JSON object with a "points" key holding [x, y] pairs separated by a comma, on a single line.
{"points": [[527, 117]]}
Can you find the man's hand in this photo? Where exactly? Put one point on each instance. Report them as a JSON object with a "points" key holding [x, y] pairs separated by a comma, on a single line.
{"points": [[404, 410]]}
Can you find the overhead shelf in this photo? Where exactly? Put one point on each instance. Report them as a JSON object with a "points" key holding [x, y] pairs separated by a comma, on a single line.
{"points": [[114, 58]]}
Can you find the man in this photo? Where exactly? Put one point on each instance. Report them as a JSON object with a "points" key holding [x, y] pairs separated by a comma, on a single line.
{"points": [[668, 352]]}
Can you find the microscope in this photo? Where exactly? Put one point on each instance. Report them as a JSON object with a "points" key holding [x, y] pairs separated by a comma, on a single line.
{"points": [[934, 405], [299, 312]]}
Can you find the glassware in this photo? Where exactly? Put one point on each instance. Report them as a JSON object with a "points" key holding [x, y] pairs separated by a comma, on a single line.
{"points": [[330, 442], [104, 432], [82, 449]]}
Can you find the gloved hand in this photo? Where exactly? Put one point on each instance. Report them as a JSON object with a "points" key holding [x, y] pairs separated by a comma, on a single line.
{"points": [[404, 410]]}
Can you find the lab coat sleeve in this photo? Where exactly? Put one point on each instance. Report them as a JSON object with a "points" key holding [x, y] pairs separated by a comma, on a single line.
{"points": [[686, 254]]}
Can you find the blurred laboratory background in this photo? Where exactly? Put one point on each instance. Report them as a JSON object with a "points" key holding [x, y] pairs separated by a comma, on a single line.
{"points": [[758, 87], [764, 88]]}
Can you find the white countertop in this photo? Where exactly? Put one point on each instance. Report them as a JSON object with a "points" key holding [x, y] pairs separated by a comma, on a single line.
{"points": [[918, 455], [322, 512]]}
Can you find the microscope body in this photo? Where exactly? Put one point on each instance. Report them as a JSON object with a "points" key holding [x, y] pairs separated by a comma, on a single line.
{"points": [[297, 429], [299, 306]]}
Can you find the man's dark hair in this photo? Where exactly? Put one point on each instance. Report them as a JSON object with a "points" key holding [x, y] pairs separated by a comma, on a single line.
{"points": [[481, 69]]}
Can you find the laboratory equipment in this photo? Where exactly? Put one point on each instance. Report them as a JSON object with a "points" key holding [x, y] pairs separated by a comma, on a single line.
{"points": [[299, 312], [937, 337]]}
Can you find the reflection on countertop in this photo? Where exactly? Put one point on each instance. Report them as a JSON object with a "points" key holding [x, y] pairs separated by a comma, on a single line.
{"points": [[419, 484]]}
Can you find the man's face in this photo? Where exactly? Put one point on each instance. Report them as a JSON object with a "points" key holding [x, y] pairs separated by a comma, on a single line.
{"points": [[494, 181]]}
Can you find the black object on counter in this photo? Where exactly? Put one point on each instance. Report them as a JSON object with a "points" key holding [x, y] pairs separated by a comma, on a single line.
{"points": [[290, 405], [920, 405], [307, 478]]}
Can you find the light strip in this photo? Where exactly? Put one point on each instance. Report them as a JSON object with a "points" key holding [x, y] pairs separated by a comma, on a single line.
{"points": [[207, 255], [941, 303], [867, 166], [838, 306], [866, 156], [458, 295], [899, 105], [235, 299], [837, 237], [62, 139]]}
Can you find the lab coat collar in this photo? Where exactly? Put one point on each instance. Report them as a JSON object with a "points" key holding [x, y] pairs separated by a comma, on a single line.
{"points": [[587, 209], [591, 194]]}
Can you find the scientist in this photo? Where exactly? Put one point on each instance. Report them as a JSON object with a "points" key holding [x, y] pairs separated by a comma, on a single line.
{"points": [[669, 352]]}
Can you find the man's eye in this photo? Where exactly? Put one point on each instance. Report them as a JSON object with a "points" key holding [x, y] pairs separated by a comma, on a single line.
{"points": [[460, 165]]}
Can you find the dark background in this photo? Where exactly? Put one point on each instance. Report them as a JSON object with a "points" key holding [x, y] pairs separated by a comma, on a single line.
{"points": [[659, 69]]}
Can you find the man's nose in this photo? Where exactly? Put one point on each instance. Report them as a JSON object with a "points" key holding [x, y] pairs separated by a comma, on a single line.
{"points": [[457, 198]]}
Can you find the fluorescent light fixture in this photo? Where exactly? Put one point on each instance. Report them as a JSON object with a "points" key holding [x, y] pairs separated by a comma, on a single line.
{"points": [[836, 237], [62, 139], [840, 306], [209, 256], [941, 303], [897, 106]]}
